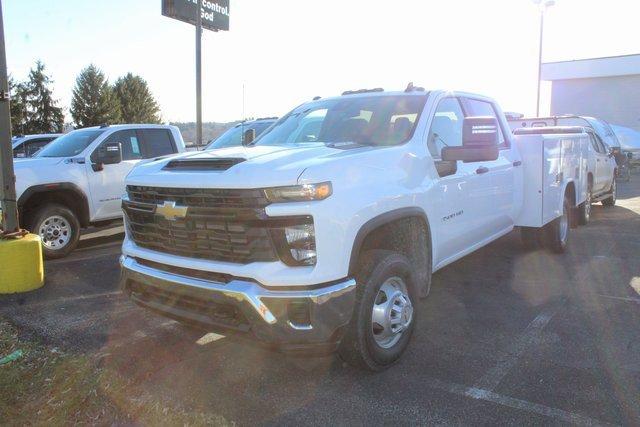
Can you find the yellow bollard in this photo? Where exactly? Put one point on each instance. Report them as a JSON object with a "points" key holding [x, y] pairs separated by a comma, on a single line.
{"points": [[21, 266]]}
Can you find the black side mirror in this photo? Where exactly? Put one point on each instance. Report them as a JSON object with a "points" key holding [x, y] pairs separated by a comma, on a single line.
{"points": [[479, 141], [107, 154], [248, 136]]}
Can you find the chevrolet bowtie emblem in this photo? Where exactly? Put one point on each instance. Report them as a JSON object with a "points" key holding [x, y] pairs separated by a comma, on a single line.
{"points": [[170, 211]]}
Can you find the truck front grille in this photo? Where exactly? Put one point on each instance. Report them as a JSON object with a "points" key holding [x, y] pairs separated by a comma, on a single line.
{"points": [[220, 224]]}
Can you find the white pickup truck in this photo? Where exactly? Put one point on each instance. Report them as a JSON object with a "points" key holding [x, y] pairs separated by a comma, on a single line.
{"points": [[78, 179], [327, 243]]}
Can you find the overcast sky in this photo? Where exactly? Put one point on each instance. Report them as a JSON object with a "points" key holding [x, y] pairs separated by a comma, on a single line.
{"points": [[286, 52]]}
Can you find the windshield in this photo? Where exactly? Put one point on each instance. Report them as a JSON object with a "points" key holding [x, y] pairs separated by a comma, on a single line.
{"points": [[368, 120], [70, 144], [234, 136]]}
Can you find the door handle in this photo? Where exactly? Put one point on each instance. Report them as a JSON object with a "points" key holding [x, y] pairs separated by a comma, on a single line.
{"points": [[482, 170], [517, 163]]}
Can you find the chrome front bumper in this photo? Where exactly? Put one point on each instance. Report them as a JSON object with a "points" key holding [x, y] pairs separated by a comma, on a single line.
{"points": [[265, 313]]}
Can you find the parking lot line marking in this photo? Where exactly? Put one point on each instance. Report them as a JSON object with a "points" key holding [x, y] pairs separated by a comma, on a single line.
{"points": [[492, 378], [70, 299], [630, 299], [209, 338], [534, 408]]}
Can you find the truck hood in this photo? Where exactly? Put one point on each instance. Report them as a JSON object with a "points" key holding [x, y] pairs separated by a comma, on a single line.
{"points": [[262, 166]]}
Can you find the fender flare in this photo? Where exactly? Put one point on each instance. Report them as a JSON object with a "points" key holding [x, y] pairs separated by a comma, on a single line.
{"points": [[59, 186], [380, 220]]}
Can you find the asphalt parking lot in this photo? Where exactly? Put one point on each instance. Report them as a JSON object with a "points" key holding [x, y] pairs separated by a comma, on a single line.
{"points": [[507, 336]]}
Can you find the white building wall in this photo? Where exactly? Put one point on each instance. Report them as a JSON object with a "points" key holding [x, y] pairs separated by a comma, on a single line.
{"points": [[615, 99]]}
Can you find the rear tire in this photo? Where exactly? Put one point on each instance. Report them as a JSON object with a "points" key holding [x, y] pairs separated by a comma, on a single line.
{"points": [[584, 210], [384, 315], [58, 228], [611, 200], [557, 231]]}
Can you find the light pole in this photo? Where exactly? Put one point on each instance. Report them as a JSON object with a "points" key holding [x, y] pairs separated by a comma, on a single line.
{"points": [[542, 5]]}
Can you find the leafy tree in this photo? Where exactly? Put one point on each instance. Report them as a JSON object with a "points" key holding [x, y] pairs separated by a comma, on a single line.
{"points": [[137, 104], [94, 101], [35, 99], [18, 107]]}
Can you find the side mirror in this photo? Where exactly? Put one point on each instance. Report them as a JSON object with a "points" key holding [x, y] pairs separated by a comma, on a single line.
{"points": [[479, 141], [248, 136], [107, 154]]}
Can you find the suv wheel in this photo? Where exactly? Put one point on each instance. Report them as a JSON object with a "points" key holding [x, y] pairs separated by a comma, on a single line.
{"points": [[557, 231], [384, 315], [611, 200], [59, 229]]}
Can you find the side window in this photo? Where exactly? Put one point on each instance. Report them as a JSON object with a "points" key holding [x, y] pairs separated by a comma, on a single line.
{"points": [[131, 148], [475, 107], [18, 152], [157, 142], [594, 143], [33, 146], [446, 127]]}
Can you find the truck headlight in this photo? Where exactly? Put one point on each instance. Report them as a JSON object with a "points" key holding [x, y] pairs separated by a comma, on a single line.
{"points": [[299, 193], [296, 243]]}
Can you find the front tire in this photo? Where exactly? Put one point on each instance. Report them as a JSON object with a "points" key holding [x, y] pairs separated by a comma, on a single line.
{"points": [[384, 315], [611, 200], [58, 228]]}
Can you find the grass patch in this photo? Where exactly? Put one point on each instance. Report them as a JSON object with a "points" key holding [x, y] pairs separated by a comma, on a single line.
{"points": [[49, 386]]}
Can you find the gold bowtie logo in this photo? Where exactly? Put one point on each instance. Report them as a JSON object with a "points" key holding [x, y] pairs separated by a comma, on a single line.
{"points": [[170, 211]]}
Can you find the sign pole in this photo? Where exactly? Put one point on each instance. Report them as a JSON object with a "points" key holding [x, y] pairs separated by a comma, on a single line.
{"points": [[199, 75], [7, 178]]}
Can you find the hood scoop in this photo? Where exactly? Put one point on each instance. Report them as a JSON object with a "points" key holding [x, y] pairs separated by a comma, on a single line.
{"points": [[194, 165]]}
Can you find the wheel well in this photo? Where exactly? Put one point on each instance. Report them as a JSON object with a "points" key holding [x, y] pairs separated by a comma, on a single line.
{"points": [[408, 235], [73, 199]]}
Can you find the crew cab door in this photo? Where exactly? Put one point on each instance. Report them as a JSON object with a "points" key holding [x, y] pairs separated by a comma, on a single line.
{"points": [[495, 191], [475, 199], [106, 182]]}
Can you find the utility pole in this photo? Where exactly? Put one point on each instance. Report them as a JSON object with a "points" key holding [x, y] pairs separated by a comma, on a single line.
{"points": [[540, 62], [199, 75], [7, 177]]}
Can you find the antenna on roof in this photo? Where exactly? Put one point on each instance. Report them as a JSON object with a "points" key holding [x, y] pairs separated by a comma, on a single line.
{"points": [[412, 88], [315, 98]]}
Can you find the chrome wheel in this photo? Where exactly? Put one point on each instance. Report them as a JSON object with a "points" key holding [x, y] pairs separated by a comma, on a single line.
{"points": [[55, 232], [392, 312]]}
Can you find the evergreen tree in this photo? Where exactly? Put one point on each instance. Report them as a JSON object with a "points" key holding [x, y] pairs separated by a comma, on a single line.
{"points": [[42, 113], [94, 101], [18, 107], [137, 104]]}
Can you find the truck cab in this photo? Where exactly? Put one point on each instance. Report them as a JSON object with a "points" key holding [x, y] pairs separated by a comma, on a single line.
{"points": [[327, 242], [78, 179]]}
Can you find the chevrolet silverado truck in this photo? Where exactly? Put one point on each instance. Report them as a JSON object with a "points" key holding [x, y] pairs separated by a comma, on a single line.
{"points": [[327, 243], [78, 179]]}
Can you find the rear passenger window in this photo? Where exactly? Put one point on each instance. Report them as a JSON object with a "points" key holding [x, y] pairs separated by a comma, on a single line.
{"points": [[158, 142], [476, 108]]}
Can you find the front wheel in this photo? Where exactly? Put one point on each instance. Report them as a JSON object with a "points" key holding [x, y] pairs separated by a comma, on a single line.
{"points": [[384, 315], [613, 194], [58, 228]]}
